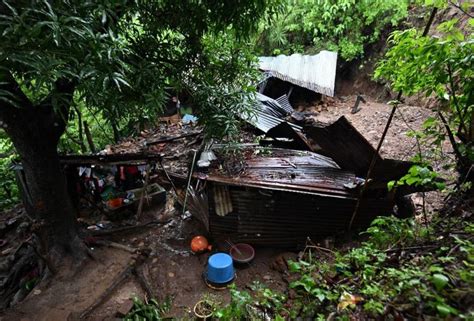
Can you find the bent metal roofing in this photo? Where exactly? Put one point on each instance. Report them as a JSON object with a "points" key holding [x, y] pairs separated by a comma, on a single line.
{"points": [[316, 72]]}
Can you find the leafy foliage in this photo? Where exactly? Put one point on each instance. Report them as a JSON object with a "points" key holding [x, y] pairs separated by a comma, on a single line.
{"points": [[264, 304], [123, 56], [150, 310], [223, 79], [400, 271], [441, 66], [8, 189], [420, 176], [345, 26]]}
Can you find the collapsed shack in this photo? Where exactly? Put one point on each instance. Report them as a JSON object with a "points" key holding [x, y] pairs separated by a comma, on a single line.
{"points": [[281, 197], [308, 186], [298, 182]]}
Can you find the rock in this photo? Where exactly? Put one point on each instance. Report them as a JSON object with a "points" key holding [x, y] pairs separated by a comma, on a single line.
{"points": [[171, 274], [279, 264], [124, 308]]}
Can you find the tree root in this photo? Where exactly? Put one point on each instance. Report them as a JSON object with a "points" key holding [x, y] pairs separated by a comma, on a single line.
{"points": [[15, 280], [115, 245], [104, 296], [142, 277], [132, 268]]}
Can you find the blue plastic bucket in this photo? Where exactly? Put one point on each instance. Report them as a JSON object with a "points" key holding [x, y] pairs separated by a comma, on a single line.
{"points": [[220, 268]]}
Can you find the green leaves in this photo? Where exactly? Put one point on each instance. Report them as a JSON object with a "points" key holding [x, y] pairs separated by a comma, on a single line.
{"points": [[419, 176], [123, 60], [9, 194], [149, 310], [345, 26], [439, 280], [392, 268], [440, 67]]}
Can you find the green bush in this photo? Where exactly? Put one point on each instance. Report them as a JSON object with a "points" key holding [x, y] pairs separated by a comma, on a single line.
{"points": [[9, 195], [346, 26]]}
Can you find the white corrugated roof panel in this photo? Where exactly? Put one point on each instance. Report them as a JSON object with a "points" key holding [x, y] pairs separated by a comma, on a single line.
{"points": [[317, 72]]}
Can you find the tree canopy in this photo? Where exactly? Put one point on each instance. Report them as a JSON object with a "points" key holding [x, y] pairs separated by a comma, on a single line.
{"points": [[117, 55]]}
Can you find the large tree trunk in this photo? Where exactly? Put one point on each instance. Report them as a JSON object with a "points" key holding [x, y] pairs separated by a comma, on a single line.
{"points": [[36, 143], [35, 131]]}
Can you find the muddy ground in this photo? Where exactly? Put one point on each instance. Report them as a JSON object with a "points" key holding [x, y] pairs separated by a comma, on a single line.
{"points": [[173, 270]]}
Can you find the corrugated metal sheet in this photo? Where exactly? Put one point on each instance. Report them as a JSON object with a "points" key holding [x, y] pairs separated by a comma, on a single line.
{"points": [[290, 170], [286, 219], [292, 138], [285, 103], [351, 151], [271, 106], [343, 143], [268, 113], [317, 72], [264, 122]]}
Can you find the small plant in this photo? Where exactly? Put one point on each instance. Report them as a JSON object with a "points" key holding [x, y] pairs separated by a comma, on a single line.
{"points": [[420, 176], [9, 194], [150, 310], [207, 306]]}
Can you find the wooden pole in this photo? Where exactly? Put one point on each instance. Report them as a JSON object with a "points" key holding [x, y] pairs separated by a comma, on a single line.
{"points": [[142, 197], [387, 126]]}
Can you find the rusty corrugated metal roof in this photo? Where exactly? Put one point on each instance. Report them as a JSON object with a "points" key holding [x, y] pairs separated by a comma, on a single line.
{"points": [[316, 72], [284, 196], [290, 170]]}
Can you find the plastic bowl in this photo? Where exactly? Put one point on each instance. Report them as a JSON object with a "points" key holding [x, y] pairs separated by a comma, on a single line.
{"points": [[242, 253], [220, 268]]}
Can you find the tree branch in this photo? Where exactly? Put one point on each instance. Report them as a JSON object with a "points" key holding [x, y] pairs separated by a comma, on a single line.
{"points": [[451, 137], [462, 125], [58, 103], [12, 98], [461, 9]]}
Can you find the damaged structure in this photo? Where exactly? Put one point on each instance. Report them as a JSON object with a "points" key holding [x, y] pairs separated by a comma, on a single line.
{"points": [[301, 180], [283, 196]]}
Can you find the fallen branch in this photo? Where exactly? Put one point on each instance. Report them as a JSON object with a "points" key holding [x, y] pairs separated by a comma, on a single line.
{"points": [[144, 282], [131, 269], [410, 248], [106, 294]]}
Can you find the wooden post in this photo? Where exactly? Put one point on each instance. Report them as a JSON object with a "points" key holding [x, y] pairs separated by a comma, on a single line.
{"points": [[142, 197]]}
